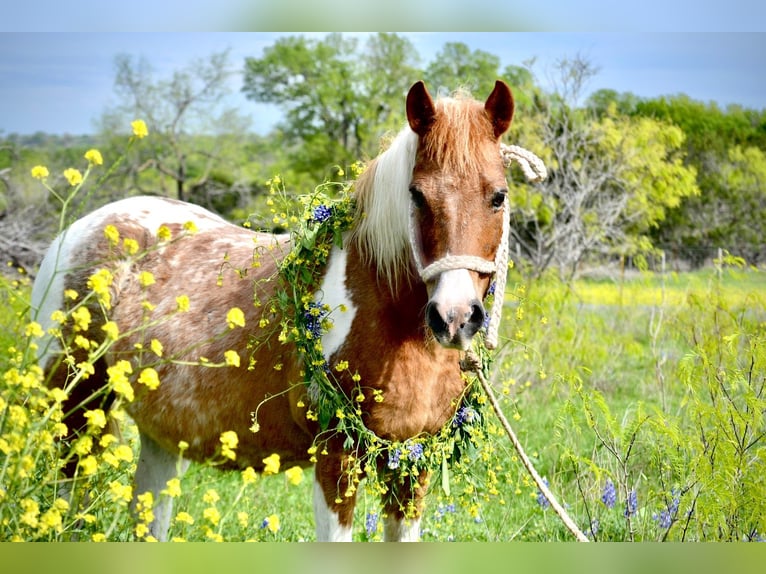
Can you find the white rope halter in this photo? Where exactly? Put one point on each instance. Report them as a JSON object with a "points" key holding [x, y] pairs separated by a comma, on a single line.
{"points": [[534, 170]]}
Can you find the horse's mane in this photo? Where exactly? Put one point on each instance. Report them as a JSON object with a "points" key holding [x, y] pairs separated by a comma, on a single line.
{"points": [[381, 230]]}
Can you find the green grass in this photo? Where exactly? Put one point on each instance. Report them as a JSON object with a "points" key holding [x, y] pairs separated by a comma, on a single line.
{"points": [[629, 381]]}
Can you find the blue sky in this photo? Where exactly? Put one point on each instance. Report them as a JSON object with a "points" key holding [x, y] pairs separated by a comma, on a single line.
{"points": [[62, 82]]}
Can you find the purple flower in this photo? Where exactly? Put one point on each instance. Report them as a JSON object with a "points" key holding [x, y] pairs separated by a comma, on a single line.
{"points": [[631, 505], [371, 523], [415, 451], [593, 529], [666, 516], [541, 499], [393, 459], [321, 214], [464, 415], [609, 496], [313, 318]]}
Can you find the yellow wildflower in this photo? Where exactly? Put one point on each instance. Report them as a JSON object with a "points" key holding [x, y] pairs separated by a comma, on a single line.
{"points": [[40, 172], [184, 517], [73, 176], [150, 378], [173, 488], [190, 227], [211, 496], [294, 475], [131, 245], [235, 318], [81, 318], [271, 464], [212, 514], [146, 278], [182, 301], [231, 358], [117, 376], [94, 157], [229, 442], [249, 476], [139, 128], [272, 523], [156, 347], [70, 294], [96, 419], [89, 465], [98, 537], [111, 330]]}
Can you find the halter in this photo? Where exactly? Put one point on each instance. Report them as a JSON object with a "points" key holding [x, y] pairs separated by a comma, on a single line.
{"points": [[534, 170]]}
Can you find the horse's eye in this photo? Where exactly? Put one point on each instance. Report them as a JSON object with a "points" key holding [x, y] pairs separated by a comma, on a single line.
{"points": [[498, 198], [417, 197]]}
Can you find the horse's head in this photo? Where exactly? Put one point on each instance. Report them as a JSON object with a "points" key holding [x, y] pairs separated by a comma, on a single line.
{"points": [[458, 193]]}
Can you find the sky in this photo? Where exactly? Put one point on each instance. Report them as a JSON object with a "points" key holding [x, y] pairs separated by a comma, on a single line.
{"points": [[62, 82]]}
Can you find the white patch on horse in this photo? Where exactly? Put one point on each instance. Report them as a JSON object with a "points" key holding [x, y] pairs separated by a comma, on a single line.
{"points": [[335, 294], [454, 289], [404, 530], [328, 527]]}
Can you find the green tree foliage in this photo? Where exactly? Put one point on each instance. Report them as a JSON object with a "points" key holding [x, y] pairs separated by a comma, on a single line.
{"points": [[338, 98], [457, 66], [611, 179]]}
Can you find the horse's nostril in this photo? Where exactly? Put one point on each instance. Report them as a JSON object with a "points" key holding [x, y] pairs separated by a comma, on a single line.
{"points": [[434, 318]]}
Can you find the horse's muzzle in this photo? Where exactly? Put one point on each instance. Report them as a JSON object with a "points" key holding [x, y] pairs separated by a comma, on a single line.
{"points": [[455, 326]]}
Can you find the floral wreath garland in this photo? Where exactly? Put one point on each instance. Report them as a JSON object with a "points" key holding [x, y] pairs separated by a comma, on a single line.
{"points": [[306, 319]]}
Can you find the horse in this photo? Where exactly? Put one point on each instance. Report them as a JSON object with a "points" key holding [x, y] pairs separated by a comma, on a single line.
{"points": [[406, 288]]}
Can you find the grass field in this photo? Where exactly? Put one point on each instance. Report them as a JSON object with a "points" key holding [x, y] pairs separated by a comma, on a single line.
{"points": [[640, 401]]}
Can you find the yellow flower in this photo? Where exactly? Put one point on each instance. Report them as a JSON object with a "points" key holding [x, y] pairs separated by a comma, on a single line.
{"points": [[235, 318], [182, 301], [100, 282], [211, 496], [294, 475], [150, 378], [156, 347], [173, 488], [272, 523], [70, 294], [33, 329], [146, 278], [73, 176], [229, 442], [164, 233], [249, 476], [271, 464], [212, 514], [94, 157], [40, 172], [131, 245], [231, 358], [117, 376], [139, 128], [96, 419], [111, 330], [81, 317], [89, 465], [190, 227], [184, 517], [98, 537]]}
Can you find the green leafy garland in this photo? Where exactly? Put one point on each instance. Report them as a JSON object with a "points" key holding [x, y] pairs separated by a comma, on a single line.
{"points": [[305, 320]]}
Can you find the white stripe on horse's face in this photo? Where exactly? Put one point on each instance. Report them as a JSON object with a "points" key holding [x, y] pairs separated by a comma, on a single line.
{"points": [[454, 312], [328, 527], [335, 294]]}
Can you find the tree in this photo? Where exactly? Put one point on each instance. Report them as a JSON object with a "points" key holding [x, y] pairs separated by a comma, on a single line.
{"points": [[192, 131], [457, 66], [338, 99], [610, 179]]}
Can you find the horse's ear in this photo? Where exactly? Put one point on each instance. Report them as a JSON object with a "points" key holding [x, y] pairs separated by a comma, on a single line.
{"points": [[420, 108], [499, 107]]}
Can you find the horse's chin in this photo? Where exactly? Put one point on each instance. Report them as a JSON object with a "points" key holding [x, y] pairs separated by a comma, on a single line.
{"points": [[457, 343]]}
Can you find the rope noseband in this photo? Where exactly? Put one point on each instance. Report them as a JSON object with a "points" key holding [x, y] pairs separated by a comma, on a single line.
{"points": [[535, 171]]}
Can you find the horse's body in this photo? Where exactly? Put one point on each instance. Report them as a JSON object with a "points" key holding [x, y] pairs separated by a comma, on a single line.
{"points": [[437, 191]]}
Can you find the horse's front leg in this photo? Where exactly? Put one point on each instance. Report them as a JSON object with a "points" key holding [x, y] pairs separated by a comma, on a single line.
{"points": [[403, 507], [333, 509]]}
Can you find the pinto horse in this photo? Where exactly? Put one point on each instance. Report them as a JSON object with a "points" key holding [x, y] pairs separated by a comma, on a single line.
{"points": [[410, 277]]}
